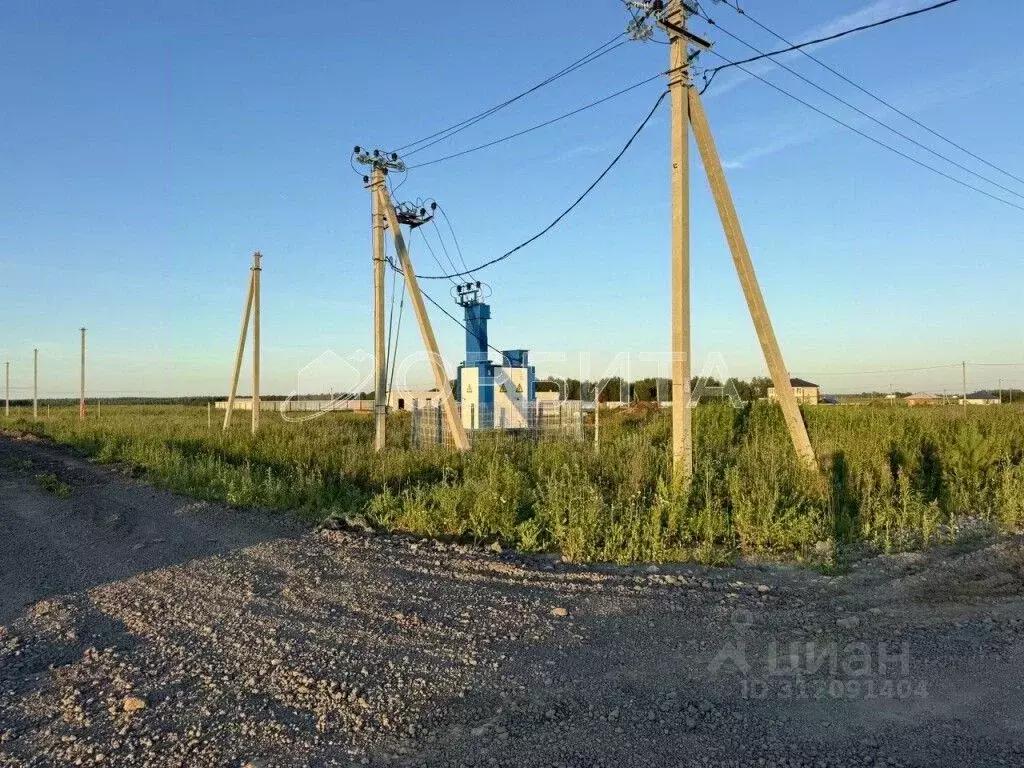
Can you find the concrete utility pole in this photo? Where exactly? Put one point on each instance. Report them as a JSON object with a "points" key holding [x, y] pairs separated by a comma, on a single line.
{"points": [[250, 300], [380, 404], [35, 384], [963, 373], [256, 270], [444, 389], [748, 280], [81, 382], [679, 84]]}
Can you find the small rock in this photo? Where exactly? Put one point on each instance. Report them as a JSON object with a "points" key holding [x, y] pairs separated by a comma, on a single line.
{"points": [[559, 611], [763, 588], [849, 622], [133, 704]]}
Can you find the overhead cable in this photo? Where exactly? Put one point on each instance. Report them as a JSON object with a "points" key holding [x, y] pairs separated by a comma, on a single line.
{"points": [[868, 115], [451, 130], [538, 126], [564, 213], [871, 138]]}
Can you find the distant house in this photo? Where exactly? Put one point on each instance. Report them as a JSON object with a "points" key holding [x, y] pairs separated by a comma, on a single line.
{"points": [[408, 400], [805, 391], [922, 398], [983, 398]]}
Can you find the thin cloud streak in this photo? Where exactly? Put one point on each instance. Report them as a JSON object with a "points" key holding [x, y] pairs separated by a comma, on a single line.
{"points": [[868, 15]]}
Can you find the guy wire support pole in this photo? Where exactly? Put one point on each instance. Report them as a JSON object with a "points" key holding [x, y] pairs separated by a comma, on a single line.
{"points": [[380, 163]]}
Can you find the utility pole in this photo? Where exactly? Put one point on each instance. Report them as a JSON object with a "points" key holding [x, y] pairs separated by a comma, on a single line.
{"points": [[256, 270], [35, 384], [385, 213], [597, 417], [7, 390], [81, 383], [687, 110], [679, 84], [251, 298], [380, 405], [963, 371]]}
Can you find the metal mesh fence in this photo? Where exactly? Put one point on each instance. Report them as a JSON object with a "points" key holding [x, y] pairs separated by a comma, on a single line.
{"points": [[530, 421]]}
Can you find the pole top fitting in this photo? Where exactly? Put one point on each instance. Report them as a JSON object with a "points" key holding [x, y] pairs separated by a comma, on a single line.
{"points": [[379, 160]]}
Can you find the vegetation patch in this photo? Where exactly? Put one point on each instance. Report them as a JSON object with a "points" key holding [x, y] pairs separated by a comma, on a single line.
{"points": [[891, 479], [50, 482]]}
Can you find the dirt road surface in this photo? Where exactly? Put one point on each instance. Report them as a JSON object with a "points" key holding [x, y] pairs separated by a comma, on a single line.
{"points": [[140, 628]]}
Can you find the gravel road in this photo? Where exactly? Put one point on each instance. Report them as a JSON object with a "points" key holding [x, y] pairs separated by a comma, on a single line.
{"points": [[140, 628]]}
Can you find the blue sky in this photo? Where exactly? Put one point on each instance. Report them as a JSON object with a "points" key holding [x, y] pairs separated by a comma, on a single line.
{"points": [[148, 149]]}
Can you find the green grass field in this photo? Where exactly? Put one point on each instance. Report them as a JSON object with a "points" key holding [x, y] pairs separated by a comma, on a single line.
{"points": [[892, 478]]}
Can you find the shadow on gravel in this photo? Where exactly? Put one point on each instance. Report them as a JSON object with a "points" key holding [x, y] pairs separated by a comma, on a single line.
{"points": [[107, 528]]}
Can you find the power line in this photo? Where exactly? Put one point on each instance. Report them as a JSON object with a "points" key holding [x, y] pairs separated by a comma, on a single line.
{"points": [[868, 115], [538, 126], [458, 247], [434, 255], [449, 315], [444, 247], [451, 130], [886, 370], [869, 137], [564, 213], [836, 36], [874, 96]]}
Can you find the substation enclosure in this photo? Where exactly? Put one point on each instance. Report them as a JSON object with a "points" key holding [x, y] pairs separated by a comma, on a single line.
{"points": [[492, 395]]}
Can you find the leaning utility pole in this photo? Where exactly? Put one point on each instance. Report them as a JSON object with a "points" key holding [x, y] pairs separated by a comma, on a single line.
{"points": [[81, 382], [748, 280], [252, 307], [687, 110]]}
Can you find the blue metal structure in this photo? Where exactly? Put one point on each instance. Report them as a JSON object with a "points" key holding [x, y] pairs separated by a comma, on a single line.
{"points": [[509, 375]]}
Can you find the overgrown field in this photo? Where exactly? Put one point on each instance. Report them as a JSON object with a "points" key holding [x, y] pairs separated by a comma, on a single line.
{"points": [[892, 478]]}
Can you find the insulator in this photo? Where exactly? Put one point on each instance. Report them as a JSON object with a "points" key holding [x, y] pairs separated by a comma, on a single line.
{"points": [[376, 153], [423, 211], [358, 149], [433, 206], [366, 179], [394, 155]]}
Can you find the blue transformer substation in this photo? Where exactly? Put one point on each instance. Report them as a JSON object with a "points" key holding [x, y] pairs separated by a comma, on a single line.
{"points": [[492, 395]]}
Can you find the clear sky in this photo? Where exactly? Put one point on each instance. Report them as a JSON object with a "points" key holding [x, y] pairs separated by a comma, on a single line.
{"points": [[146, 149]]}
